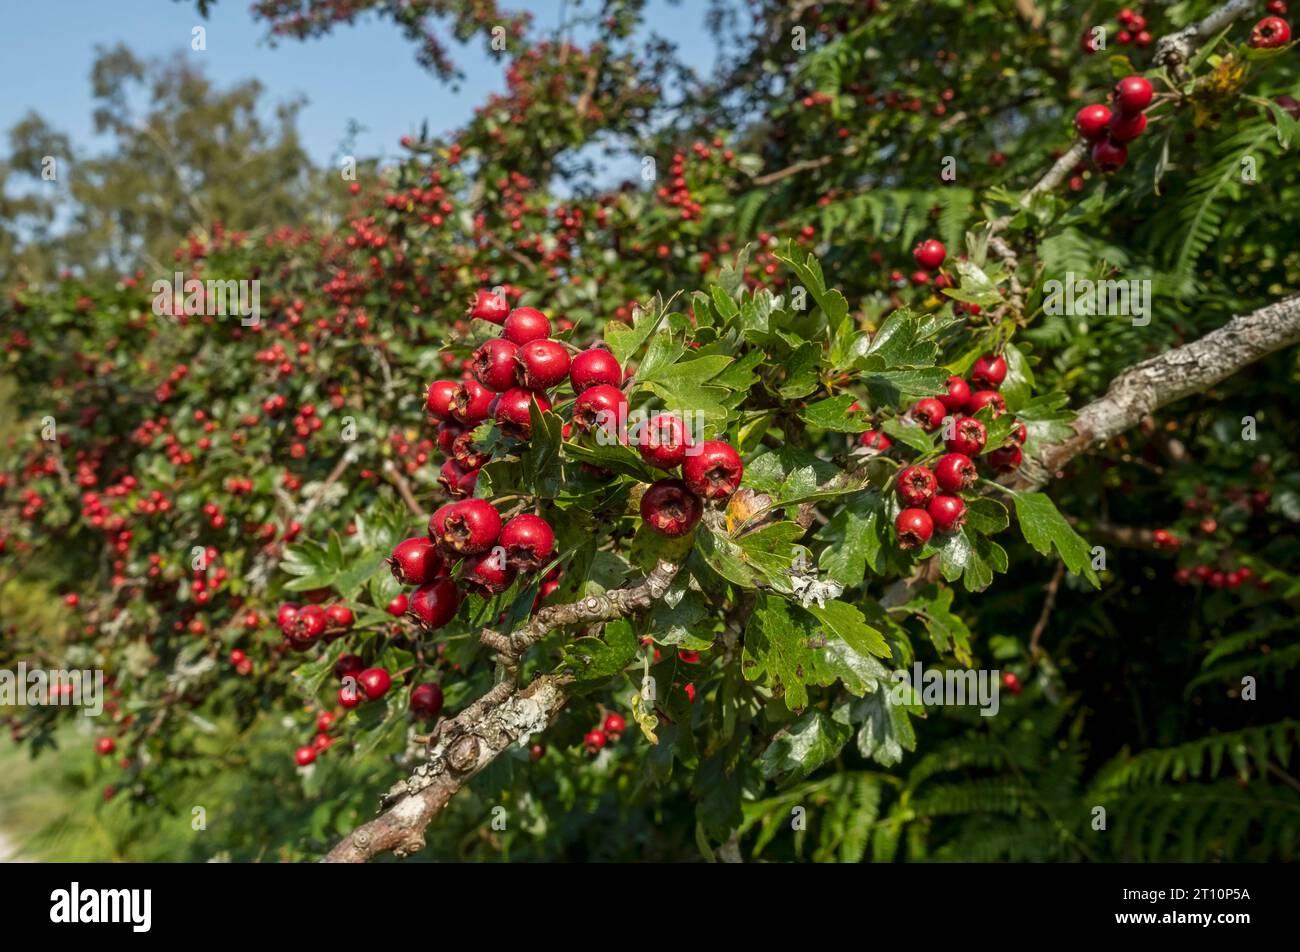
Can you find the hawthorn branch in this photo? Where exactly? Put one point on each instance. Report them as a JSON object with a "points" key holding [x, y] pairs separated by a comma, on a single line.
{"points": [[504, 716]]}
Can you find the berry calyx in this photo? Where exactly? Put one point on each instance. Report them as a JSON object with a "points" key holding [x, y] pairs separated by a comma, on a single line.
{"points": [[426, 701], [1091, 121], [968, 437], [542, 364], [1132, 94], [467, 527], [670, 508], [434, 604], [947, 512], [714, 471], [514, 412], [930, 254], [524, 324], [528, 540], [663, 440], [915, 486], [914, 528], [375, 682], [929, 414], [594, 367], [989, 371], [415, 561], [955, 397], [955, 472], [494, 364]]}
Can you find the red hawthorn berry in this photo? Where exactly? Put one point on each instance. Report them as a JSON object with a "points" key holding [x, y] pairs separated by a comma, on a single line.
{"points": [[614, 725], [929, 254], [467, 527], [1109, 156], [594, 741], [514, 412], [947, 512], [471, 402], [536, 752], [528, 540], [349, 694], [307, 625], [397, 607], [600, 406], [375, 682], [105, 746], [438, 399], [304, 756], [955, 397], [457, 480], [426, 701], [1011, 683], [986, 398], [322, 742], [339, 616], [714, 471], [348, 665], [915, 486], [914, 528], [1091, 121], [670, 508], [524, 324], [594, 367], [324, 721], [663, 441], [238, 656], [968, 436], [1125, 128], [488, 573], [489, 306], [415, 561], [955, 472], [434, 604], [495, 366], [1269, 33], [286, 613], [989, 371], [929, 414], [1019, 433], [876, 440], [1132, 94], [542, 364], [1005, 460]]}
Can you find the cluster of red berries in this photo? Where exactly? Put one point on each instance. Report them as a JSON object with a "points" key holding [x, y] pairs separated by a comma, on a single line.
{"points": [[322, 742], [711, 470], [1110, 132], [302, 626], [611, 730], [929, 496], [1217, 578]]}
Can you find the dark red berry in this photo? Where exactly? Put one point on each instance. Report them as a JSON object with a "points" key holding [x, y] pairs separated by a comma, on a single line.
{"points": [[375, 682], [594, 741], [415, 561], [339, 616], [489, 306], [929, 414], [487, 574], [467, 527], [1109, 156], [1132, 94], [876, 440], [457, 480], [594, 367], [955, 397], [947, 512], [916, 484], [397, 607], [528, 541], [955, 472], [494, 364], [542, 364], [348, 665], [1005, 460], [1269, 33], [435, 604], [929, 254], [1091, 121], [714, 471], [426, 701], [524, 324], [1124, 128], [438, 399], [304, 756], [968, 436], [514, 412], [914, 528], [986, 398], [989, 371], [600, 406], [471, 402], [663, 441], [670, 508], [307, 625]]}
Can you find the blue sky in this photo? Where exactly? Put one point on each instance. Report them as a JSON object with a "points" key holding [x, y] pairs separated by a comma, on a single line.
{"points": [[365, 72]]}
